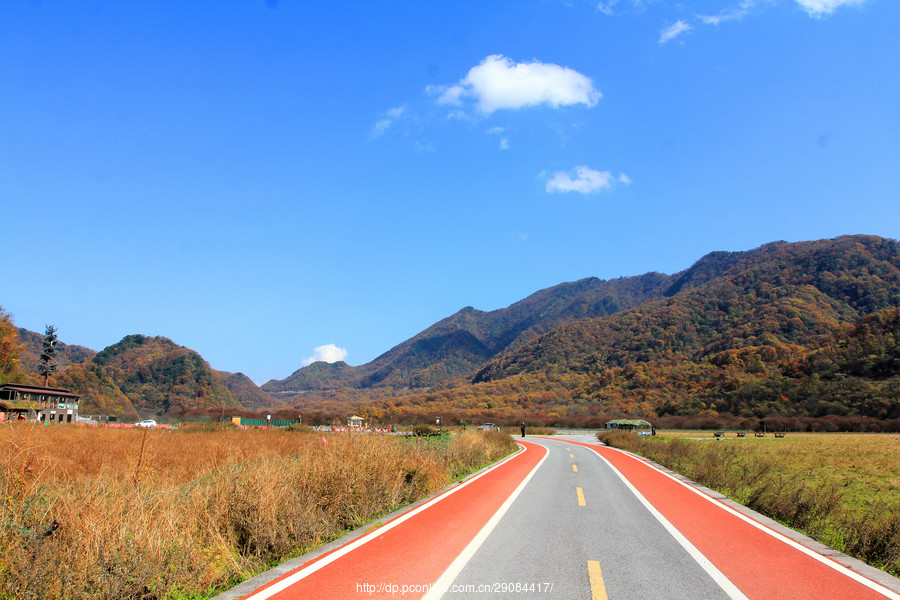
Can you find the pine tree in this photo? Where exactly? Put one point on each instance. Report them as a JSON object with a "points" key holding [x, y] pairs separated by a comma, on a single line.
{"points": [[47, 364]]}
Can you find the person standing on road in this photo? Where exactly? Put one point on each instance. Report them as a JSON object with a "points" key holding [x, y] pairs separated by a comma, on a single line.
{"points": [[523, 428]]}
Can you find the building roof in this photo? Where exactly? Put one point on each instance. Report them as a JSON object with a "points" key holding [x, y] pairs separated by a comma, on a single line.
{"points": [[33, 389], [9, 406]]}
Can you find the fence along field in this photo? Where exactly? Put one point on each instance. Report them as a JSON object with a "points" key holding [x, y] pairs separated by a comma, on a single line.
{"points": [[121, 514], [842, 489]]}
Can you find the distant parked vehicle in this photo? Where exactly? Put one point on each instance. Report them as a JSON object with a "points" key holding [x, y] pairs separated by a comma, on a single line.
{"points": [[150, 423], [488, 427]]}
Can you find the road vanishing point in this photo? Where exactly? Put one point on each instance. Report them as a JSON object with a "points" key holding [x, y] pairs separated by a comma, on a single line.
{"points": [[569, 518]]}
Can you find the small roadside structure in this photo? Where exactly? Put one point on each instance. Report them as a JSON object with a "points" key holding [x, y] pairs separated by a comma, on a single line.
{"points": [[355, 422], [245, 422], [628, 424], [29, 402]]}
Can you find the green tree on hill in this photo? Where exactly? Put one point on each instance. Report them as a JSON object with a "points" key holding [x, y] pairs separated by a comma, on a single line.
{"points": [[47, 365]]}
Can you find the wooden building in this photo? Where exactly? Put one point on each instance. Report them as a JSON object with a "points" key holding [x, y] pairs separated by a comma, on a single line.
{"points": [[37, 403]]}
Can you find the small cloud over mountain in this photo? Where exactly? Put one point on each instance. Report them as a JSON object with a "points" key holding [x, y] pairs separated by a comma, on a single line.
{"points": [[329, 353]]}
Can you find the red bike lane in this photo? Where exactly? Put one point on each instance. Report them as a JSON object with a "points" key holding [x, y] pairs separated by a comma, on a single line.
{"points": [[759, 561], [405, 556]]}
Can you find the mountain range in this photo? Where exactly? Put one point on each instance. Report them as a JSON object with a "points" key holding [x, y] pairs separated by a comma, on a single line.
{"points": [[782, 291], [644, 344]]}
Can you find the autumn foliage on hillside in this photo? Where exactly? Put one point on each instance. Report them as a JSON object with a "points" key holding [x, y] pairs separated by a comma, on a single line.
{"points": [[788, 331], [804, 332], [847, 380], [162, 377]]}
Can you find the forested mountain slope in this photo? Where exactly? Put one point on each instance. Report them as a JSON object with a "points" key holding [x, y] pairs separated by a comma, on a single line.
{"points": [[458, 345], [155, 374], [161, 377], [778, 294], [247, 393], [66, 354]]}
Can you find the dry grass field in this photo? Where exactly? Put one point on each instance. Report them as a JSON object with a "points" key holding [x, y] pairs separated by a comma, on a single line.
{"points": [[840, 488], [124, 513], [865, 466]]}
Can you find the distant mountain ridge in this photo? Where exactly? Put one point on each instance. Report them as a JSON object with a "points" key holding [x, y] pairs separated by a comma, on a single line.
{"points": [[142, 375], [162, 377], [731, 333], [819, 284], [776, 294], [66, 354], [458, 345]]}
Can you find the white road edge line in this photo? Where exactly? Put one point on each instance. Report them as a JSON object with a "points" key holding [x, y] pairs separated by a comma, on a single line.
{"points": [[342, 551], [875, 586], [723, 582], [443, 583]]}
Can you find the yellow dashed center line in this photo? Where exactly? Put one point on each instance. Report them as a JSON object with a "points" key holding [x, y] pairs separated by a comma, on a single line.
{"points": [[575, 468], [571, 456], [580, 493], [598, 588]]}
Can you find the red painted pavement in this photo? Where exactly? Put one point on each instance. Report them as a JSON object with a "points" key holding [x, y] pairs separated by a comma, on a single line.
{"points": [[416, 552], [758, 563]]}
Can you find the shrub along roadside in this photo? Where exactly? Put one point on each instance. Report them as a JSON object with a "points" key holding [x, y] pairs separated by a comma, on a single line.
{"points": [[765, 484], [124, 514]]}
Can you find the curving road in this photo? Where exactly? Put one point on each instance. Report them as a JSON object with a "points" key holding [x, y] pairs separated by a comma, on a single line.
{"points": [[572, 519]]}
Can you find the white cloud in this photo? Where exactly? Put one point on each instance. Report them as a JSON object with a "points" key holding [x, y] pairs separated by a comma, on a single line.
{"points": [[504, 141], [452, 95], [820, 8], [606, 6], [421, 146], [586, 181], [328, 353], [737, 13], [673, 31], [388, 119], [499, 83], [724, 16]]}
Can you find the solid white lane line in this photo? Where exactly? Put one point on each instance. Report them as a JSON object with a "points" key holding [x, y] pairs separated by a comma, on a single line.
{"points": [[779, 536], [453, 571], [342, 551], [717, 576]]}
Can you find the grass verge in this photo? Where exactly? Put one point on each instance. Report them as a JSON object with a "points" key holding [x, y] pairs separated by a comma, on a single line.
{"points": [[128, 514]]}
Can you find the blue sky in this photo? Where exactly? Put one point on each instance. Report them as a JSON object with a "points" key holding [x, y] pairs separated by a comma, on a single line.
{"points": [[258, 180]]}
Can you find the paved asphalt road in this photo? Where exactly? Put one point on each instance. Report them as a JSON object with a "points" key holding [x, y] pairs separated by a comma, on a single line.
{"points": [[547, 538], [570, 519]]}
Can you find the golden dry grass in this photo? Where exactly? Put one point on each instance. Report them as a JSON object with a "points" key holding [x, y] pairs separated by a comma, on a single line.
{"points": [[122, 513], [865, 465]]}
